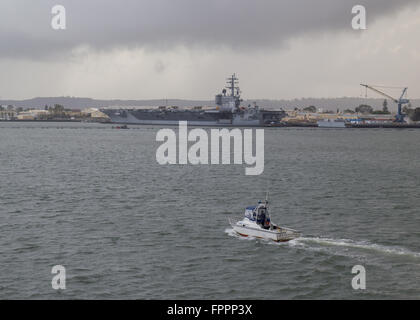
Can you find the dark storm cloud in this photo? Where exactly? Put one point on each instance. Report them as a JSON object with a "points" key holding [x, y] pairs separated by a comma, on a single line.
{"points": [[240, 24]]}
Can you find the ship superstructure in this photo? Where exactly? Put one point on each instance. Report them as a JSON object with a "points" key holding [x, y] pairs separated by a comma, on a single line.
{"points": [[228, 112]]}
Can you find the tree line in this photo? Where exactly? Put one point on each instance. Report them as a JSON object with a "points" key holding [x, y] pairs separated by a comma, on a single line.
{"points": [[412, 113]]}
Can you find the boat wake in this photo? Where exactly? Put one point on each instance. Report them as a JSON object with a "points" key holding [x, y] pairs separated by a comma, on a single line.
{"points": [[336, 246], [351, 244]]}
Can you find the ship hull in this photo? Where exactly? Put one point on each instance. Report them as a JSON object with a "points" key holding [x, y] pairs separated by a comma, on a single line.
{"points": [[194, 118]]}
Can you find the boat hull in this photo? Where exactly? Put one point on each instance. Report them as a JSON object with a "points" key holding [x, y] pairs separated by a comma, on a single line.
{"points": [[277, 235]]}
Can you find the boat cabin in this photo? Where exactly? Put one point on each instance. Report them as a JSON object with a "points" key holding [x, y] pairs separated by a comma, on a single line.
{"points": [[259, 214]]}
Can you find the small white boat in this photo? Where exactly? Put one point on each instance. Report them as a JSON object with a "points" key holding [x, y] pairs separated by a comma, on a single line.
{"points": [[257, 223]]}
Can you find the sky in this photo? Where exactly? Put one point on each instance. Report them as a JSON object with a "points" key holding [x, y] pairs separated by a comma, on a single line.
{"points": [[184, 49]]}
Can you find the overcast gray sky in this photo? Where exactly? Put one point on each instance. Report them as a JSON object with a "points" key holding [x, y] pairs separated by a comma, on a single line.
{"points": [[186, 48]]}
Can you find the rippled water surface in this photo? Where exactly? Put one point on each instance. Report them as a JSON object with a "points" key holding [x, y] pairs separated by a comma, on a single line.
{"points": [[94, 199]]}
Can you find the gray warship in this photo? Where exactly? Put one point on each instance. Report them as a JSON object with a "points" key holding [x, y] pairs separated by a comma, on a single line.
{"points": [[228, 112]]}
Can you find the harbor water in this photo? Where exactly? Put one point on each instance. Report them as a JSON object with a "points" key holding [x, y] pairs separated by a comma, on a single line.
{"points": [[95, 200]]}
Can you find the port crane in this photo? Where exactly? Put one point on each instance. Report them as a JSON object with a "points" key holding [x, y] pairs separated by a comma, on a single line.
{"points": [[400, 116]]}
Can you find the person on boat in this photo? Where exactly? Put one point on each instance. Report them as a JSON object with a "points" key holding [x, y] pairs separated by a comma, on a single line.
{"points": [[261, 216], [267, 223]]}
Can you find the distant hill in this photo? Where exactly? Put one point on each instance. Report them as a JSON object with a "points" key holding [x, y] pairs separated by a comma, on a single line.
{"points": [[326, 104], [82, 103]]}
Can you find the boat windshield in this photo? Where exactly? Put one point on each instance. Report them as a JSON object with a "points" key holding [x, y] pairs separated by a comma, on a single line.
{"points": [[250, 213]]}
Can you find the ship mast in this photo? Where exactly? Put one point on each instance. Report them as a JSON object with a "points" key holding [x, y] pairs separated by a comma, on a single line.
{"points": [[233, 85]]}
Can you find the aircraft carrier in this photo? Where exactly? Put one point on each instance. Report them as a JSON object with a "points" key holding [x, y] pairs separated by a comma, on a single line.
{"points": [[228, 112]]}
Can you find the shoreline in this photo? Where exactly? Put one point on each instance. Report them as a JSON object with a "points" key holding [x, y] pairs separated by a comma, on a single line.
{"points": [[283, 125]]}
